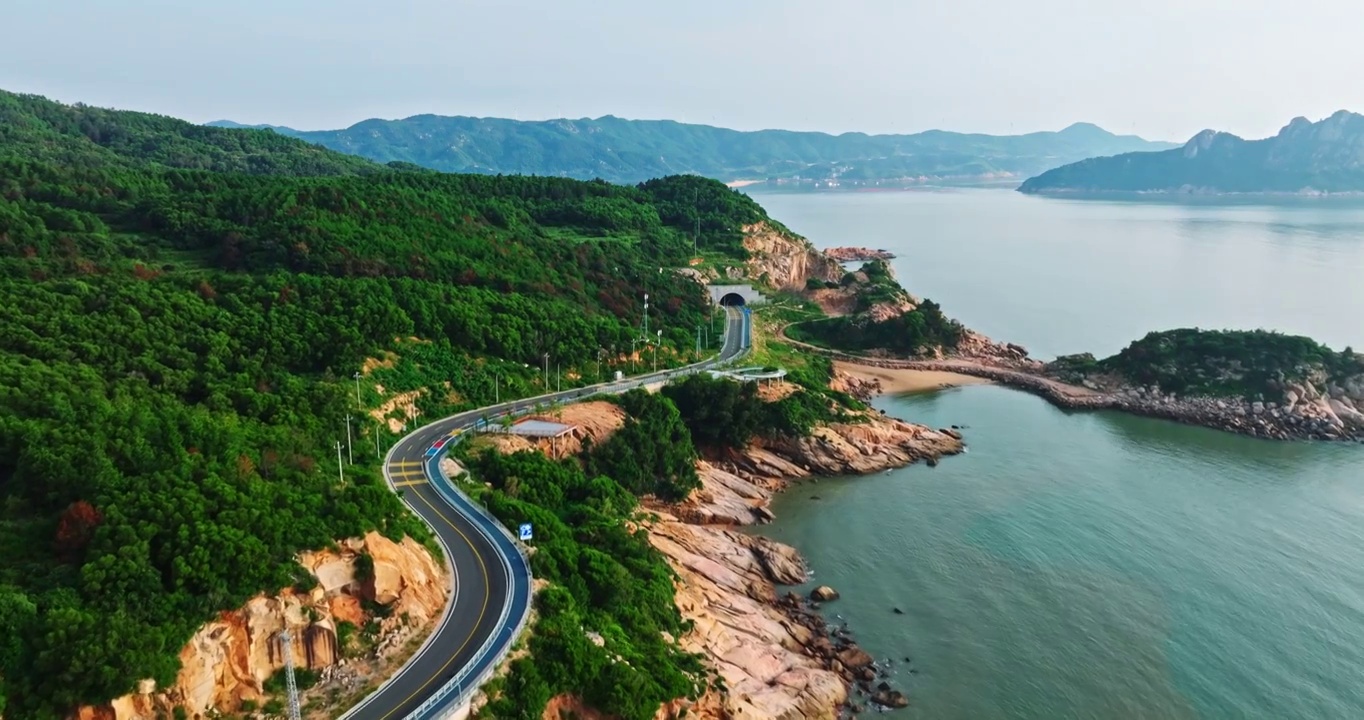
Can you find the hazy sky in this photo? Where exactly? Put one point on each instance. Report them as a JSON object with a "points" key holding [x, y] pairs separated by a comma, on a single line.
{"points": [[1160, 68]]}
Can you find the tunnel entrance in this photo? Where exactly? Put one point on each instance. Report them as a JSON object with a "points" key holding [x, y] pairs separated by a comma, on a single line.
{"points": [[732, 300]]}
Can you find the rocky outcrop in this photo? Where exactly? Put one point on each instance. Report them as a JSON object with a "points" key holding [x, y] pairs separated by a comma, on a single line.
{"points": [[784, 261], [228, 660], [750, 641], [778, 658], [858, 254], [860, 388], [875, 443], [595, 421]]}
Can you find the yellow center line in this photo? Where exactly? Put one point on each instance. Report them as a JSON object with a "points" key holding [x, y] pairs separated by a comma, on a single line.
{"points": [[483, 568], [409, 483]]}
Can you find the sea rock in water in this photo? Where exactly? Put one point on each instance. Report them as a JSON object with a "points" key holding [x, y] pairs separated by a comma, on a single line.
{"points": [[824, 593], [890, 698]]}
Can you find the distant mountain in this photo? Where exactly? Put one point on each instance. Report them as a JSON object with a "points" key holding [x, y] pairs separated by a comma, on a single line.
{"points": [[79, 135], [621, 150], [1305, 157]]}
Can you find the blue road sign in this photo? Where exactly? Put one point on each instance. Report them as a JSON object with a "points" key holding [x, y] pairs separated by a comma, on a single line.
{"points": [[524, 531]]}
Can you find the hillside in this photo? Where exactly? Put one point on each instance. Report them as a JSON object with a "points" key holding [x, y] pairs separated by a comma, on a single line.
{"points": [[39, 129], [621, 150], [1305, 157], [1253, 364], [177, 349]]}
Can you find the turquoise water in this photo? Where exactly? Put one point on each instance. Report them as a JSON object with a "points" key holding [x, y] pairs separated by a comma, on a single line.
{"points": [[1094, 565]]}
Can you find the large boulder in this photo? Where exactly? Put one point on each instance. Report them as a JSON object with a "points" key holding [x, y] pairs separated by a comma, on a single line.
{"points": [[824, 593]]}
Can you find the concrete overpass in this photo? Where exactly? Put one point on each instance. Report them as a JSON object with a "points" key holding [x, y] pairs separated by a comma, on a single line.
{"points": [[733, 295]]}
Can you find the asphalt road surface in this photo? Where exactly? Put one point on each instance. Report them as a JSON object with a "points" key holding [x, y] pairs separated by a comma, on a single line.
{"points": [[490, 573]]}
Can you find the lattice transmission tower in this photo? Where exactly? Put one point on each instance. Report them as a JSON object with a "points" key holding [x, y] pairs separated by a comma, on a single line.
{"points": [[295, 713]]}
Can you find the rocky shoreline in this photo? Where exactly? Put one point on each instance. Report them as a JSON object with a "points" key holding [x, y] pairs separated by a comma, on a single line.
{"points": [[858, 254], [1306, 412], [776, 655]]}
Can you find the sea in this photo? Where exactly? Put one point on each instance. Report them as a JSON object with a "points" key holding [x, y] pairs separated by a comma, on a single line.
{"points": [[1093, 564]]}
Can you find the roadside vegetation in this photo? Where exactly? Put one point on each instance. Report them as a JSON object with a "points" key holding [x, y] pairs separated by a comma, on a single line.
{"points": [[604, 623]]}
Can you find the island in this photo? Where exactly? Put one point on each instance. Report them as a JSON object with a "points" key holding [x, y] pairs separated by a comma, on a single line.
{"points": [[1304, 158]]}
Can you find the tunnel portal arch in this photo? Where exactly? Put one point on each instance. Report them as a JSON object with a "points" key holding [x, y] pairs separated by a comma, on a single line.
{"points": [[734, 295]]}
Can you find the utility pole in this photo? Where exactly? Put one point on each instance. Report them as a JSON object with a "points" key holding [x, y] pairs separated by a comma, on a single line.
{"points": [[660, 342], [340, 469], [698, 341], [377, 456], [357, 389], [295, 712], [600, 352], [558, 377], [696, 208], [633, 341], [349, 451], [646, 316], [497, 392], [546, 360]]}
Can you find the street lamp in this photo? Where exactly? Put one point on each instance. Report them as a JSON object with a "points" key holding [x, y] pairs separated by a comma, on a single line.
{"points": [[646, 315], [600, 353], [660, 342], [546, 371], [633, 342]]}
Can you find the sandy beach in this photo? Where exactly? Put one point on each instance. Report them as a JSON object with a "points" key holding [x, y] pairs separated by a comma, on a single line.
{"points": [[741, 183], [898, 381]]}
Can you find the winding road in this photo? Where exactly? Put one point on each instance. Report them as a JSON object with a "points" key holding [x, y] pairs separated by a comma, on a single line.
{"points": [[490, 578]]}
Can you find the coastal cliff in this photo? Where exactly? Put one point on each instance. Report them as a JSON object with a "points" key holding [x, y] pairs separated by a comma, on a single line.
{"points": [[350, 631], [777, 657], [784, 261]]}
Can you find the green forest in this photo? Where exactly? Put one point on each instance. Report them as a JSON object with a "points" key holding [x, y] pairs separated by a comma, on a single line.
{"points": [[921, 329], [182, 310], [1252, 364]]}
